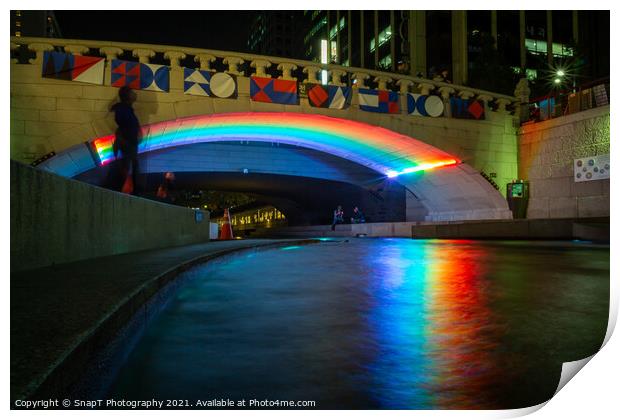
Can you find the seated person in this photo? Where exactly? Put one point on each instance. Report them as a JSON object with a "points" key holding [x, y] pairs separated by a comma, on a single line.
{"points": [[358, 216], [338, 217]]}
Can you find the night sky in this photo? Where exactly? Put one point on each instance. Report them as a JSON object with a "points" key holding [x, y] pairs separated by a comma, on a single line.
{"points": [[219, 30]]}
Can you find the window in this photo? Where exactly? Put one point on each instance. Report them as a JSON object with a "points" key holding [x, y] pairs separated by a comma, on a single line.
{"points": [[334, 51], [530, 74], [334, 31], [385, 62], [384, 36], [538, 47]]}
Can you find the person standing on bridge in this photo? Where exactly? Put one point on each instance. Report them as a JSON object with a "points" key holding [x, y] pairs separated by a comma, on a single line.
{"points": [[128, 136]]}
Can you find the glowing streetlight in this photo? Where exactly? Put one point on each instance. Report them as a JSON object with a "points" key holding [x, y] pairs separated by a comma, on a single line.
{"points": [[560, 73], [557, 81]]}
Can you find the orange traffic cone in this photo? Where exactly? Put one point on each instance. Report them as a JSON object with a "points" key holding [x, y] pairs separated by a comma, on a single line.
{"points": [[128, 185], [226, 231]]}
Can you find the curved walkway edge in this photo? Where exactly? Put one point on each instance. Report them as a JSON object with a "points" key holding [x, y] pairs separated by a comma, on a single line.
{"points": [[61, 316]]}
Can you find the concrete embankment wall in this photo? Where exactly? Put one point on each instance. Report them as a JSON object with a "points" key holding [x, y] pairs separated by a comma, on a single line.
{"points": [[547, 151], [595, 229], [56, 220]]}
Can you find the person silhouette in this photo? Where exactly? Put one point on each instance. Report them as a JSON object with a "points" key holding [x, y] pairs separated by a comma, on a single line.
{"points": [[127, 137]]}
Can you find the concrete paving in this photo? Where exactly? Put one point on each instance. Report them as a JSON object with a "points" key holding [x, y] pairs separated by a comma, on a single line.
{"points": [[61, 315]]}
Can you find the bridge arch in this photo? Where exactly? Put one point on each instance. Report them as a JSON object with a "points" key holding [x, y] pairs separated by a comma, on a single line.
{"points": [[383, 150], [446, 187]]}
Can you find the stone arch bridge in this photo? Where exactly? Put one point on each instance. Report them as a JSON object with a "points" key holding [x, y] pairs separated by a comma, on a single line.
{"points": [[411, 167]]}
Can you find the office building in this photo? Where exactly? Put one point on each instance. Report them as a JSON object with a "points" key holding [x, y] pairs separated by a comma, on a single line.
{"points": [[34, 23], [471, 45], [275, 33]]}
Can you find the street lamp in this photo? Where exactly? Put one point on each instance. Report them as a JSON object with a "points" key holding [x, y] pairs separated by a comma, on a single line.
{"points": [[559, 75]]}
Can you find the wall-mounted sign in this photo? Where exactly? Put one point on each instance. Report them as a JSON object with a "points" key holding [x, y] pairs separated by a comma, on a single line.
{"points": [[274, 91], [467, 108], [205, 83], [328, 96], [423, 105], [142, 76], [383, 101], [591, 168], [78, 68]]}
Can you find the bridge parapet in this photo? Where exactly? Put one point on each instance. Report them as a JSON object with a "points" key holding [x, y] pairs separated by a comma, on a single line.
{"points": [[258, 65]]}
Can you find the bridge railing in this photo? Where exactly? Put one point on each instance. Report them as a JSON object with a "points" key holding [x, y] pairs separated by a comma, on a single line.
{"points": [[563, 102], [31, 50]]}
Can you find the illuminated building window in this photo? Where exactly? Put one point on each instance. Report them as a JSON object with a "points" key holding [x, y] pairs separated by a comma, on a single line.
{"points": [[333, 31], [18, 13], [384, 36], [18, 23], [539, 47], [386, 61], [18, 33], [530, 74], [324, 61]]}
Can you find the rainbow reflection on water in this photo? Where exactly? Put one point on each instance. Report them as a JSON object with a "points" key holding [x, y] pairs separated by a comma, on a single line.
{"points": [[389, 323], [441, 339]]}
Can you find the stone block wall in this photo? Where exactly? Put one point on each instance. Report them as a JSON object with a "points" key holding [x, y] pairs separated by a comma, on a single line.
{"points": [[53, 115], [56, 220], [547, 151]]}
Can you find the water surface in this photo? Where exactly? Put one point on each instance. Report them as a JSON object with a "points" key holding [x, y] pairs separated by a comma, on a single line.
{"points": [[377, 323]]}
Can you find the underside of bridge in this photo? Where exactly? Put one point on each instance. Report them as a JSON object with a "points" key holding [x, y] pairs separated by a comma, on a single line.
{"points": [[304, 165], [305, 185]]}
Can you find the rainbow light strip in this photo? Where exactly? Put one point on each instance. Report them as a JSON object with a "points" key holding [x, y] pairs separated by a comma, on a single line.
{"points": [[378, 148]]}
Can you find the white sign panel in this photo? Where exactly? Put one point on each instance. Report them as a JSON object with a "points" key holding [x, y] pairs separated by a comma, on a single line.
{"points": [[591, 168]]}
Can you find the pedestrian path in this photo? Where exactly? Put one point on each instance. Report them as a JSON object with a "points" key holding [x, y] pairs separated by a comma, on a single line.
{"points": [[60, 314]]}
